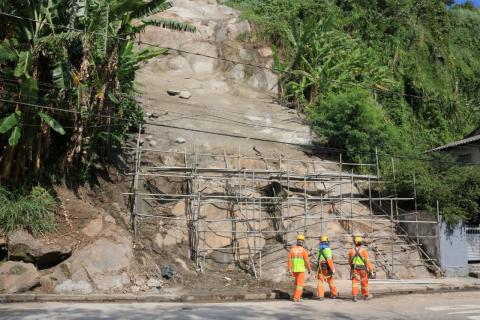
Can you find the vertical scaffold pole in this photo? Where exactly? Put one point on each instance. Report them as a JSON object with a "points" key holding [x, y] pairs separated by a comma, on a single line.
{"points": [[321, 214], [438, 232], [341, 182], [135, 185], [370, 202], [283, 234], [351, 202], [305, 204], [377, 164], [393, 233], [395, 186], [416, 209], [254, 226], [260, 227]]}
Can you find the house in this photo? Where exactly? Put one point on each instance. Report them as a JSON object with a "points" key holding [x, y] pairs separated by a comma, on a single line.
{"points": [[466, 150]]}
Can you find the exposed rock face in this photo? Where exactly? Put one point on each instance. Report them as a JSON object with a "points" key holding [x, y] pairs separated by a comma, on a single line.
{"points": [[24, 247], [103, 264], [18, 277], [69, 286], [93, 228]]}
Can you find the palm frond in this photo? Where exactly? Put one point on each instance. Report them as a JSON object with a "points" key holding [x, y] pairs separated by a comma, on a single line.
{"points": [[151, 8], [169, 24], [24, 64], [99, 28], [54, 41]]}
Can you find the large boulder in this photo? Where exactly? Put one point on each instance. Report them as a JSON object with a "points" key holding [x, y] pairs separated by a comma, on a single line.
{"points": [[102, 266], [69, 286], [18, 276], [22, 246]]}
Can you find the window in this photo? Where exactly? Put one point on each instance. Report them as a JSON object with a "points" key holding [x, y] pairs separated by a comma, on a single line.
{"points": [[465, 158]]}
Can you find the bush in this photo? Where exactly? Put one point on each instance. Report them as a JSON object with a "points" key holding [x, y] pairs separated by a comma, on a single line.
{"points": [[398, 75], [352, 120], [33, 211]]}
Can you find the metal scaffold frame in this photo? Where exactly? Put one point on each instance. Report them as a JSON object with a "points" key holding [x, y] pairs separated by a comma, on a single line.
{"points": [[245, 204]]}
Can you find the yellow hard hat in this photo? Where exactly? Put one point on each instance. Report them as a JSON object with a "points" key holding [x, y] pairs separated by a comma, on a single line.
{"points": [[357, 239], [300, 237], [324, 239]]}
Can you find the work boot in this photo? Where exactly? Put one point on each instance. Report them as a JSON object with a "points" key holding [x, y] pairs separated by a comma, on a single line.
{"points": [[354, 299], [333, 297], [366, 297], [295, 300]]}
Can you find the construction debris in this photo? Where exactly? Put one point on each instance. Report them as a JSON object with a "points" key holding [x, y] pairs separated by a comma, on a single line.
{"points": [[154, 283], [167, 272]]}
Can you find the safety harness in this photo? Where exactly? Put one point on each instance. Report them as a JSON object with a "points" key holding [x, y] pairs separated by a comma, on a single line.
{"points": [[371, 274], [355, 266]]}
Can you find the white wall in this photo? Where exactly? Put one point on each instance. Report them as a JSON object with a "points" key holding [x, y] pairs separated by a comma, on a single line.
{"points": [[472, 149]]}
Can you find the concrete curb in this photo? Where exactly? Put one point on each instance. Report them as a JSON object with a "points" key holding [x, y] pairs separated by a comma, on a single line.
{"points": [[40, 297]]}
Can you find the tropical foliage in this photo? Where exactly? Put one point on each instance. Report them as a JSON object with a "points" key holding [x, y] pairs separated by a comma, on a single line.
{"points": [[400, 76], [77, 59], [67, 71]]}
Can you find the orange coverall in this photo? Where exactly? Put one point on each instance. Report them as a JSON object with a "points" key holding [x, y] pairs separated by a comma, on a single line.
{"points": [[325, 272], [359, 269], [297, 261]]}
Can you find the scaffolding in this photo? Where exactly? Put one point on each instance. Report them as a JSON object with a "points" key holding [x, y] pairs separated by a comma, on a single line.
{"points": [[275, 198]]}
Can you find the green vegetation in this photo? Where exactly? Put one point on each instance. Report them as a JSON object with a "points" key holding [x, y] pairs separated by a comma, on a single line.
{"points": [[33, 211], [400, 76], [77, 56], [67, 71]]}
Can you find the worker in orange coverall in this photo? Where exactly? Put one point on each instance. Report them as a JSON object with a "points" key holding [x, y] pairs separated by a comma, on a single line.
{"points": [[297, 262], [361, 267], [326, 269]]}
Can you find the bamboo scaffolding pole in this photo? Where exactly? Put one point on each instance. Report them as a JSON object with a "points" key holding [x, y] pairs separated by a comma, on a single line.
{"points": [[135, 183], [310, 198], [259, 204], [291, 218]]}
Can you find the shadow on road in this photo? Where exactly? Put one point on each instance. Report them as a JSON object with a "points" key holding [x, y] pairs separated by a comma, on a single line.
{"points": [[159, 311]]}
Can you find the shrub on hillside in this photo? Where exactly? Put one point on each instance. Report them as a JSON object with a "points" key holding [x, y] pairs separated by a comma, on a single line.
{"points": [[33, 211], [351, 120]]}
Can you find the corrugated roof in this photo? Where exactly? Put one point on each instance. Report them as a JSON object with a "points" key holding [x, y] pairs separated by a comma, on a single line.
{"points": [[458, 143], [473, 133]]}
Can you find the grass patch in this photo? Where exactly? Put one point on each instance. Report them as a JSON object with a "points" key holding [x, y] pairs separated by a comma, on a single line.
{"points": [[33, 210]]}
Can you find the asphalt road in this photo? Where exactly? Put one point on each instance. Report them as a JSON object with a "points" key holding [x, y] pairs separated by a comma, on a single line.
{"points": [[457, 306]]}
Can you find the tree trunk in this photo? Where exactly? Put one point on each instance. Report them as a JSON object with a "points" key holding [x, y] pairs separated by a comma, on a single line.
{"points": [[80, 122], [39, 145], [7, 164]]}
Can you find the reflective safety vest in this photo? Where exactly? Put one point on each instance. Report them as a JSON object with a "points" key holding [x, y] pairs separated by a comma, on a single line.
{"points": [[327, 253], [298, 259], [358, 258]]}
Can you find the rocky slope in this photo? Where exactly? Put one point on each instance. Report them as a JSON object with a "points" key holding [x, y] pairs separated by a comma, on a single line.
{"points": [[230, 109], [236, 102]]}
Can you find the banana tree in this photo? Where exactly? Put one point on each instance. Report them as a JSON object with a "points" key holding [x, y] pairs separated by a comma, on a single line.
{"points": [[76, 55], [107, 69], [26, 48]]}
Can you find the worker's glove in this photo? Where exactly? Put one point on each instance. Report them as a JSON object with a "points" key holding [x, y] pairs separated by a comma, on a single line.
{"points": [[333, 272], [290, 273], [309, 271]]}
